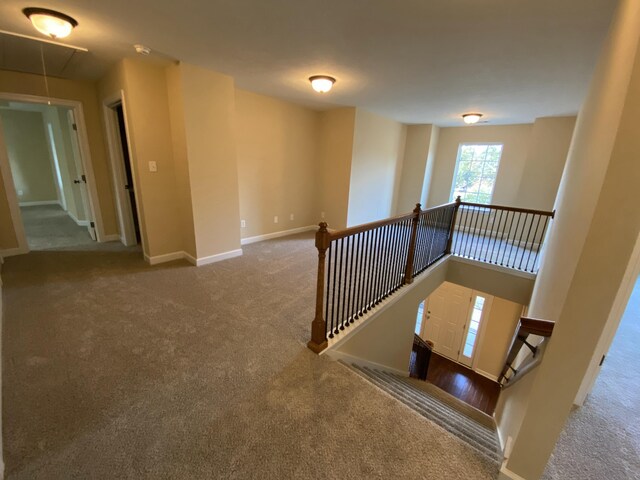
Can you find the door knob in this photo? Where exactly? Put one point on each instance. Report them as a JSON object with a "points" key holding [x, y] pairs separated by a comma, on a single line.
{"points": [[76, 181]]}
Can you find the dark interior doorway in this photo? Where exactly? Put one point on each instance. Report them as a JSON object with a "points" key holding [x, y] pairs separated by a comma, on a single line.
{"points": [[127, 169]]}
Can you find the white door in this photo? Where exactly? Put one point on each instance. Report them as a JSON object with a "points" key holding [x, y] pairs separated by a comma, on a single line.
{"points": [[81, 180], [447, 310]]}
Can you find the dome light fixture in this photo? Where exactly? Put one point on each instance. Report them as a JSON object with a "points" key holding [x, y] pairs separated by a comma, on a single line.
{"points": [[322, 83], [51, 23], [471, 118]]}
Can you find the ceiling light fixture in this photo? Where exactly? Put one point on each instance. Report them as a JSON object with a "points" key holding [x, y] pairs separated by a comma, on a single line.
{"points": [[471, 118], [141, 49], [322, 83], [51, 23]]}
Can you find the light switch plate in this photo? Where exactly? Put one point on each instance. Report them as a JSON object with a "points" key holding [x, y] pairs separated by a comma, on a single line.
{"points": [[153, 166]]}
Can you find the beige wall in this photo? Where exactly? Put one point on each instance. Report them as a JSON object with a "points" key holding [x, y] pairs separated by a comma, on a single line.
{"points": [[547, 155], [278, 170], [417, 165], [378, 149], [497, 335], [336, 148], [29, 156], [516, 140], [147, 111], [209, 119], [596, 248], [180, 159], [84, 92]]}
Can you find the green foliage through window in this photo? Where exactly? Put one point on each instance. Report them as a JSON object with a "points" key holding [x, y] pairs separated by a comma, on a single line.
{"points": [[476, 171]]}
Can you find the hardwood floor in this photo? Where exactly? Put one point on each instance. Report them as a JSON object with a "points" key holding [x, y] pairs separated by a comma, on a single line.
{"points": [[463, 383]]}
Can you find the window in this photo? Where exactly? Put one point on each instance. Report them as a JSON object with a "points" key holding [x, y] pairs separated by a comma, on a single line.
{"points": [[419, 319], [474, 325], [476, 171]]}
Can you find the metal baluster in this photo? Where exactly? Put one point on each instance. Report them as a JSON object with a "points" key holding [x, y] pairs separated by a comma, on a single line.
{"points": [[334, 247], [526, 243], [546, 221], [513, 216], [352, 241], [535, 234]]}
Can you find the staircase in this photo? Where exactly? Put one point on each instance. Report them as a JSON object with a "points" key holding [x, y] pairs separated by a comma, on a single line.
{"points": [[481, 438]]}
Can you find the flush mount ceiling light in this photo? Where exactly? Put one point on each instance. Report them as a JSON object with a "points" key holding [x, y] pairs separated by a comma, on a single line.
{"points": [[322, 83], [51, 23], [471, 118]]}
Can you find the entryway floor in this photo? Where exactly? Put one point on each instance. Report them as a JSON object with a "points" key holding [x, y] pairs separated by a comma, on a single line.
{"points": [[463, 383]]}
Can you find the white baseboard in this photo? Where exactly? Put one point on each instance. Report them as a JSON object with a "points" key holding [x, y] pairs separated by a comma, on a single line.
{"points": [[82, 223], [345, 357], [506, 474], [114, 237], [169, 257], [217, 257], [9, 252], [35, 204], [486, 374], [283, 233]]}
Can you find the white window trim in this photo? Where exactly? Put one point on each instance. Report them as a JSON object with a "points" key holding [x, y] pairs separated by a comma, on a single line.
{"points": [[455, 171]]}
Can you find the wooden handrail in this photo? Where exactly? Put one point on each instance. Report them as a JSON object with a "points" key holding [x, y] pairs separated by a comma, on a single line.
{"points": [[338, 234], [526, 326], [536, 326], [511, 209]]}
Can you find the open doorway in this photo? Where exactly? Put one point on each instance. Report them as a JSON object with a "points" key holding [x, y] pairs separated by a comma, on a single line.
{"points": [[469, 332], [123, 175], [46, 168]]}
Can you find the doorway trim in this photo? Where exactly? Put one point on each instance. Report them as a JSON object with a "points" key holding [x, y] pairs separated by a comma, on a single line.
{"points": [[12, 200], [85, 152], [125, 219]]}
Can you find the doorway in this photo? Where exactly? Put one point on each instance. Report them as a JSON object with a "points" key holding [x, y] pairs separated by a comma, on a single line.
{"points": [[49, 184], [123, 174]]}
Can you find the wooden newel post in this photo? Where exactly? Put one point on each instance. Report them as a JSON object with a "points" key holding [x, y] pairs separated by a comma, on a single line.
{"points": [[453, 225], [318, 340], [408, 272]]}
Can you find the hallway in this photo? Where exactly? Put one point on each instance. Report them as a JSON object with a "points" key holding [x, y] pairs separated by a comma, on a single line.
{"points": [[115, 369], [602, 439], [50, 227]]}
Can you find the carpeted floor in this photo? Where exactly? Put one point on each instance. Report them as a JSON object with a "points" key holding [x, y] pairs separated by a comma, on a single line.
{"points": [[49, 227], [114, 369], [601, 440]]}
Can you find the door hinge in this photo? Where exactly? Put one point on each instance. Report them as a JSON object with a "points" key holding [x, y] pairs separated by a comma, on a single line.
{"points": [[602, 360], [93, 225], [74, 126]]}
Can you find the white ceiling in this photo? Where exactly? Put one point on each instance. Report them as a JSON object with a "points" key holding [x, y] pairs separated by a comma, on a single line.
{"points": [[417, 61]]}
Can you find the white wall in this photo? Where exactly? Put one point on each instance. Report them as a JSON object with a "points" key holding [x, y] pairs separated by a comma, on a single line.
{"points": [[378, 148]]}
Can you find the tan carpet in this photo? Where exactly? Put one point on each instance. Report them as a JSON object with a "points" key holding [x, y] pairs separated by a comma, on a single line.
{"points": [[114, 369]]}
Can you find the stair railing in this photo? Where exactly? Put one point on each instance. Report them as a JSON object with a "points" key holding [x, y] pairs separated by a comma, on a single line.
{"points": [[526, 326], [506, 236], [359, 267]]}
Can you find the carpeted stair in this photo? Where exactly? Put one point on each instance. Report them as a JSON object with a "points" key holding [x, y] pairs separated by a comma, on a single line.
{"points": [[478, 436]]}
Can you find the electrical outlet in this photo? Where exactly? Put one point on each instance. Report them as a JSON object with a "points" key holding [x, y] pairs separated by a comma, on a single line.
{"points": [[291, 217], [275, 219], [321, 214], [20, 193], [243, 224]]}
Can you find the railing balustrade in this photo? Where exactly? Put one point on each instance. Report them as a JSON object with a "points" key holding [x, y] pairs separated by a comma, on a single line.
{"points": [[359, 267], [505, 236]]}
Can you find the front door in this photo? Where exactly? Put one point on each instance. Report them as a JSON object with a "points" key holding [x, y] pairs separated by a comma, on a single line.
{"points": [[447, 310]]}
